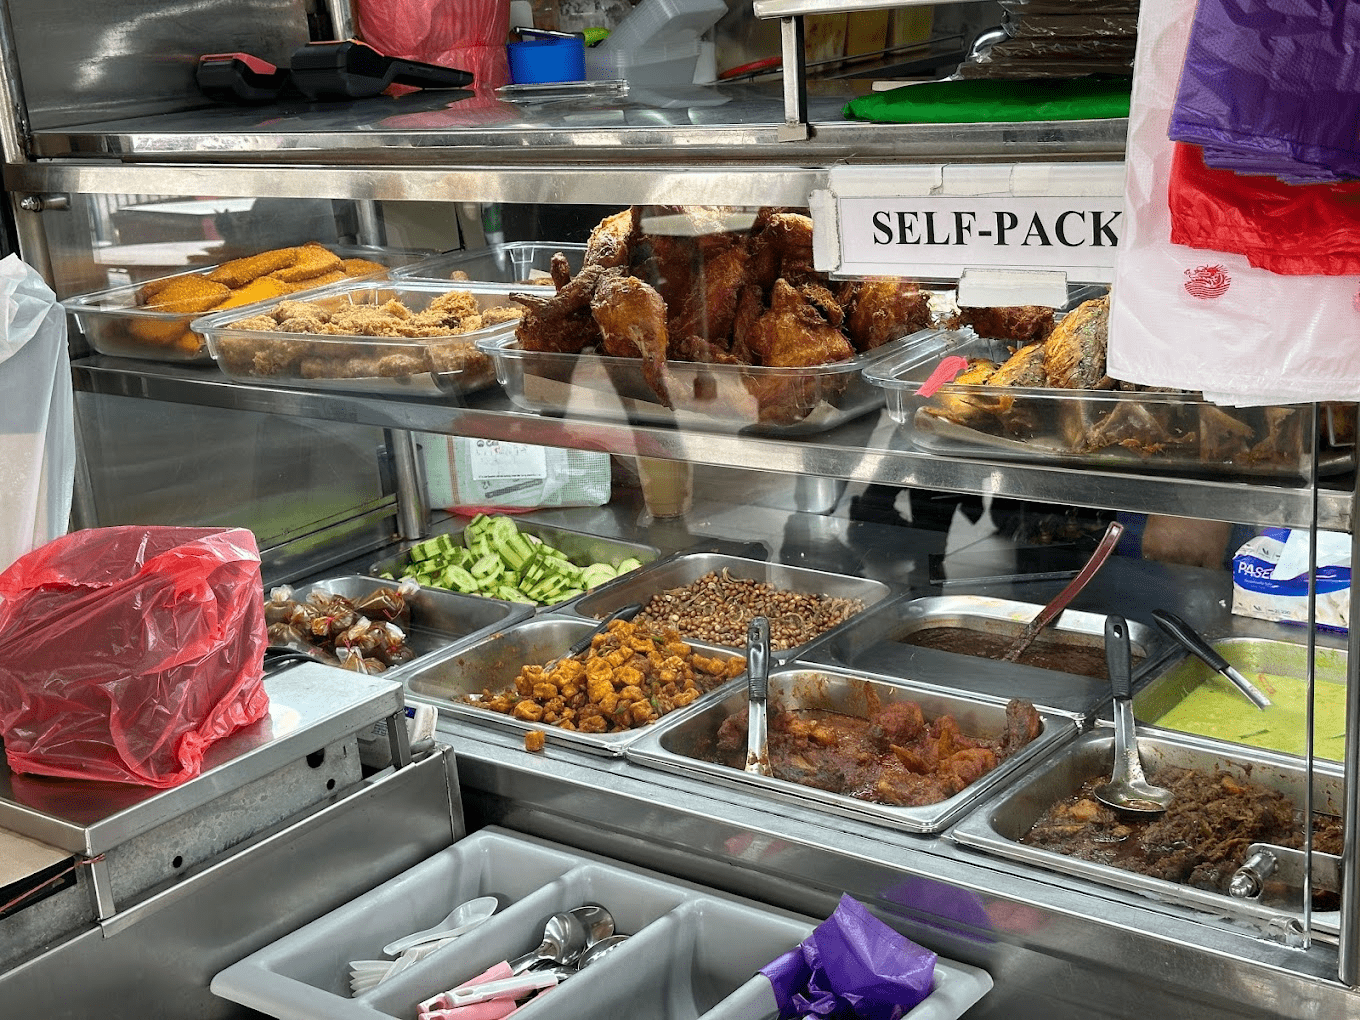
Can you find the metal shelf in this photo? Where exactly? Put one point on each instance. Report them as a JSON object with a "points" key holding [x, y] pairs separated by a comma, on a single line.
{"points": [[870, 449]]}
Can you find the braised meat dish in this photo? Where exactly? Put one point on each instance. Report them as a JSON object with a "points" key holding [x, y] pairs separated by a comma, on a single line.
{"points": [[717, 296], [893, 755], [1199, 841]]}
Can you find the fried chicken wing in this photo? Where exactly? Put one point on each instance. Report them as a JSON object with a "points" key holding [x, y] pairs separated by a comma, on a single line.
{"points": [[632, 321], [884, 310], [609, 243], [561, 322]]}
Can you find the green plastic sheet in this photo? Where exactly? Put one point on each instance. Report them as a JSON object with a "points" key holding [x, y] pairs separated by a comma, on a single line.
{"points": [[977, 101]]}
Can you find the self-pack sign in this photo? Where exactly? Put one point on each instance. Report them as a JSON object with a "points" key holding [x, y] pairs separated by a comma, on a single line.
{"points": [[942, 220]]}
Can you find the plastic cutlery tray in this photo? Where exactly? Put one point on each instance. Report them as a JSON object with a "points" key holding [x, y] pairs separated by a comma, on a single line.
{"points": [[690, 947]]}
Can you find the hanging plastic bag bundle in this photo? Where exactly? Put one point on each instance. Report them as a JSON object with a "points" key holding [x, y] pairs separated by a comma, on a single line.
{"points": [[130, 651], [1255, 337]]}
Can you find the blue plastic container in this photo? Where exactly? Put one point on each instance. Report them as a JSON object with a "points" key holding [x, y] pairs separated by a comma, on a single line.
{"points": [[547, 59]]}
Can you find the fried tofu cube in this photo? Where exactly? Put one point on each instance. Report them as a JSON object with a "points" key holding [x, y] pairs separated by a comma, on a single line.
{"points": [[534, 740], [528, 711]]}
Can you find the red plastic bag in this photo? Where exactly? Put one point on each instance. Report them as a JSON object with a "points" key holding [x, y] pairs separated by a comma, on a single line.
{"points": [[129, 651], [1291, 229], [467, 34]]}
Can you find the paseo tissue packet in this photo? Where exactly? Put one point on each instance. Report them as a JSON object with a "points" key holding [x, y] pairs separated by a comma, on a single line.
{"points": [[1270, 578]]}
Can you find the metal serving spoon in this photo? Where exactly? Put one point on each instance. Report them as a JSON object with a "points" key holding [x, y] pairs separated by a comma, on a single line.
{"points": [[1128, 789], [564, 939], [758, 689]]}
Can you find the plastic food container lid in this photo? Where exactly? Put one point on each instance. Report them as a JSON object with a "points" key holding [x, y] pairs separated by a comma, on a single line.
{"points": [[656, 23]]}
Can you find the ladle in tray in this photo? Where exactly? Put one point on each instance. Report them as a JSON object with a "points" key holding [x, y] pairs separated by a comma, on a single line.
{"points": [[758, 689], [1059, 602], [1128, 789]]}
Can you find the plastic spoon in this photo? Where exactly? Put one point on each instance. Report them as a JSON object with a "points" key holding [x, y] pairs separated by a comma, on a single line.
{"points": [[1128, 789], [462, 918]]}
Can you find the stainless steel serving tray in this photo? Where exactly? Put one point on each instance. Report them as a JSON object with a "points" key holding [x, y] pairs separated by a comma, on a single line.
{"points": [[439, 619], [874, 642], [679, 744], [493, 663], [579, 547], [1253, 656], [682, 568], [998, 825]]}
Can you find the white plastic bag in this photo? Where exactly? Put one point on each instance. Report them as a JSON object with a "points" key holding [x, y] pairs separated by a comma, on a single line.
{"points": [[1204, 320], [1270, 578], [37, 424]]}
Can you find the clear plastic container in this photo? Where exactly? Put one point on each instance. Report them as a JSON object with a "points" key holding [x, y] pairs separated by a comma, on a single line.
{"points": [[407, 366], [115, 321], [658, 44], [1107, 429], [513, 262]]}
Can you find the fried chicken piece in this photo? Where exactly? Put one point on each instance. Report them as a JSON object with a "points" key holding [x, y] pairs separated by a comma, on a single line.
{"points": [[668, 264], [701, 351], [885, 310], [1022, 726], [310, 261], [1074, 353], [821, 298], [790, 234], [239, 272], [1025, 324], [1222, 438], [1284, 431], [562, 322], [632, 321], [709, 309], [793, 333], [609, 243], [501, 313], [559, 269]]}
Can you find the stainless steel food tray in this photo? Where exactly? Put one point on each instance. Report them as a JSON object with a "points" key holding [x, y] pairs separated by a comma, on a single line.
{"points": [[1053, 426], [874, 642], [439, 619], [579, 547], [1253, 656], [678, 745], [998, 825], [493, 663], [680, 569]]}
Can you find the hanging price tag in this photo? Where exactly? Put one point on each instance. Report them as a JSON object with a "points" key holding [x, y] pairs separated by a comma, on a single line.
{"points": [[939, 221]]}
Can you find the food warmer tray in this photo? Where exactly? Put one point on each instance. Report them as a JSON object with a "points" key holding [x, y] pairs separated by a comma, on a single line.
{"points": [[874, 642], [106, 317], [239, 352], [440, 619], [493, 663], [704, 397], [675, 745], [580, 548], [680, 569], [1050, 425], [997, 826], [1254, 656]]}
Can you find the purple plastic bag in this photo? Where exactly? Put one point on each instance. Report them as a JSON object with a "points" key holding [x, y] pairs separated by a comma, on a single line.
{"points": [[852, 965], [1273, 87]]}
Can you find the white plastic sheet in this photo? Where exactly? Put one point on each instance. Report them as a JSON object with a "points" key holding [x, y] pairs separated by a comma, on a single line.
{"points": [[1204, 320], [37, 425]]}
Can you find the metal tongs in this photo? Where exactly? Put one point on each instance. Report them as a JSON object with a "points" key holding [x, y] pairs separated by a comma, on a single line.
{"points": [[758, 689], [622, 613]]}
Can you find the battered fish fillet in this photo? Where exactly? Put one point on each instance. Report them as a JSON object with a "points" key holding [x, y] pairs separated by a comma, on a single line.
{"points": [[1023, 368], [632, 321], [357, 268], [1026, 324], [191, 293], [311, 261], [885, 310], [1074, 353], [793, 333], [986, 410], [609, 243], [239, 272]]}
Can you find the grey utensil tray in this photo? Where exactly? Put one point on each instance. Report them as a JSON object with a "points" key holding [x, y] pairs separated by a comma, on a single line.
{"points": [[691, 947], [675, 745]]}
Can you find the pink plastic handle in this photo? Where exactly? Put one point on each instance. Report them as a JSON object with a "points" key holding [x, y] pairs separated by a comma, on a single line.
{"points": [[944, 372]]}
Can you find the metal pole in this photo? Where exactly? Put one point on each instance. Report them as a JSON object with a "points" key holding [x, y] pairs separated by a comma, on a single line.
{"points": [[1348, 952], [14, 128], [795, 127], [342, 18], [411, 508]]}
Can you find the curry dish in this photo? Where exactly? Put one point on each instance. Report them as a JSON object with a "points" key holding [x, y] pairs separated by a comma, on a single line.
{"points": [[631, 676]]}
